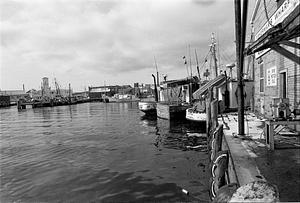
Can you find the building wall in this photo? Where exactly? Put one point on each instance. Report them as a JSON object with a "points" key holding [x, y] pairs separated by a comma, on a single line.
{"points": [[263, 100], [14, 95], [4, 101]]}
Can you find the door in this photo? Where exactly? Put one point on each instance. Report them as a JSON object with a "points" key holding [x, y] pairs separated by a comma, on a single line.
{"points": [[283, 83]]}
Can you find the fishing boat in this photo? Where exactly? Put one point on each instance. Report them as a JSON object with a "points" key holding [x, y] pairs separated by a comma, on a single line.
{"points": [[196, 114], [197, 111], [148, 107]]}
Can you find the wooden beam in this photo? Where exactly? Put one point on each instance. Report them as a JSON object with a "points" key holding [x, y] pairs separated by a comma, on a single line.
{"points": [[290, 44], [286, 53]]}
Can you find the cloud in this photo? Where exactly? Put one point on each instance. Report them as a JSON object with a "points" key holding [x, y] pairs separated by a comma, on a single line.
{"points": [[111, 39], [205, 2]]}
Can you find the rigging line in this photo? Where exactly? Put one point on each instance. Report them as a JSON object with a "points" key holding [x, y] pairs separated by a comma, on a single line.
{"points": [[225, 57], [268, 19], [266, 13], [219, 59], [225, 53], [205, 59]]}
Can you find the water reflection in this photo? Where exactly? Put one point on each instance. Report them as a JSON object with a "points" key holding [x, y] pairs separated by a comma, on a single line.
{"points": [[177, 134]]}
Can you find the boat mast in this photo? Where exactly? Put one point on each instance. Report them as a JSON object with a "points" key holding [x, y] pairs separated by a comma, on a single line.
{"points": [[185, 63], [190, 61], [197, 65], [213, 50], [69, 92], [57, 87], [157, 78], [155, 89]]}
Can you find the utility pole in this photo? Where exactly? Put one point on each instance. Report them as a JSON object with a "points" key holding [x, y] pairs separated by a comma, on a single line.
{"points": [[240, 34]]}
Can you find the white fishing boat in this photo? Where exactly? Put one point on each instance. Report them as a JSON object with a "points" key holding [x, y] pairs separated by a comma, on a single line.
{"points": [[148, 107], [194, 115], [198, 111]]}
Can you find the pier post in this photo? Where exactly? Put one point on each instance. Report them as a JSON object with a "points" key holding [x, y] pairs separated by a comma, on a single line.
{"points": [[214, 113], [20, 105], [208, 111]]}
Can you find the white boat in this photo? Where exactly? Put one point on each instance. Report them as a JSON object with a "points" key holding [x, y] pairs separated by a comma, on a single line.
{"points": [[194, 115], [148, 107]]}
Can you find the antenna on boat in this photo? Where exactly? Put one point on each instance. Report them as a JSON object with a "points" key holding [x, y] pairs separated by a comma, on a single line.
{"points": [[190, 61], [157, 76], [185, 63], [197, 64], [213, 46]]}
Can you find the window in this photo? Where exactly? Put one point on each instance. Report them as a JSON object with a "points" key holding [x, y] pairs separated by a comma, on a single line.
{"points": [[261, 77]]}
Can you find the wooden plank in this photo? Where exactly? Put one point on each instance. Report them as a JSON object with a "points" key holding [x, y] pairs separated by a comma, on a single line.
{"points": [[293, 57], [271, 136], [214, 113], [290, 44]]}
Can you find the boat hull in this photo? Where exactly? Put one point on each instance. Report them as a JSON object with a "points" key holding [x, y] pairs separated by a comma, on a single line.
{"points": [[148, 107], [197, 116], [171, 111]]}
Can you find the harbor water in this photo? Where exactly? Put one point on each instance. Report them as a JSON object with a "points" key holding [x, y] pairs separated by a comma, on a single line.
{"points": [[99, 152]]}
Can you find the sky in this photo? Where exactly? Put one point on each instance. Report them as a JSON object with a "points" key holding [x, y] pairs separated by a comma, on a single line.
{"points": [[112, 42]]}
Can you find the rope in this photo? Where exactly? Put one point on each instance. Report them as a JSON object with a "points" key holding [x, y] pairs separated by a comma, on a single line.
{"points": [[266, 13]]}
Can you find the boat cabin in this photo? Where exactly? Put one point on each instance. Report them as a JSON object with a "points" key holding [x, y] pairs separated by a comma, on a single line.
{"points": [[178, 91]]}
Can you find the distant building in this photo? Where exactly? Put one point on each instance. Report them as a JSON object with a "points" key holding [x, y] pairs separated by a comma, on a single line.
{"points": [[14, 95], [81, 95], [35, 94], [61, 93], [102, 91], [46, 90], [4, 100], [143, 90]]}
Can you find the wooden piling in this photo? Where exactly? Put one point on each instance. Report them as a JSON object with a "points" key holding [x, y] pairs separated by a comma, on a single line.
{"points": [[208, 111], [20, 105], [214, 113]]}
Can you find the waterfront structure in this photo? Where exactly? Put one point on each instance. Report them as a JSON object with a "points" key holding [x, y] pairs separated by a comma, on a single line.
{"points": [[46, 90], [178, 91], [97, 93], [35, 94], [62, 93], [14, 95], [4, 101], [275, 50], [175, 97], [143, 90], [232, 86], [81, 95]]}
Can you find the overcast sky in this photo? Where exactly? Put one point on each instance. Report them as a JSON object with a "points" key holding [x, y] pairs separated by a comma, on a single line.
{"points": [[92, 42]]}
